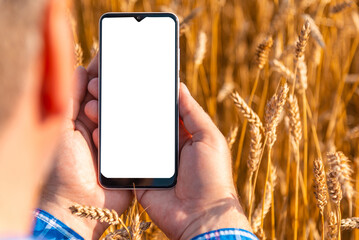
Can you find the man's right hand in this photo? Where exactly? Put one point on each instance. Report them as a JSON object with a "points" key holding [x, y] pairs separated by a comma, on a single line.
{"points": [[204, 198]]}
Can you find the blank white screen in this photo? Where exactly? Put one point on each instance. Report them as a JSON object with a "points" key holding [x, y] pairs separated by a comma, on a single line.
{"points": [[138, 97]]}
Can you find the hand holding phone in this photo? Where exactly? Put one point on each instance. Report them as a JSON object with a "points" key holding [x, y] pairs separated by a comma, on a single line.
{"points": [[73, 178], [204, 197]]}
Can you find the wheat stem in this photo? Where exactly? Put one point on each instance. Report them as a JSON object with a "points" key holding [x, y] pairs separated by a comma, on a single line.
{"points": [[265, 187], [323, 227], [256, 177], [243, 130], [272, 208], [296, 195]]}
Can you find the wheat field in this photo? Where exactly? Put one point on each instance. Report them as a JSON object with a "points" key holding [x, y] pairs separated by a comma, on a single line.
{"points": [[280, 79]]}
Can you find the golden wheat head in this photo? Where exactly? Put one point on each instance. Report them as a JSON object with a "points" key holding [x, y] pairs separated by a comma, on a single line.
{"points": [[273, 113], [302, 40], [320, 187], [350, 223], [263, 52], [247, 112], [340, 163], [295, 126], [334, 189]]}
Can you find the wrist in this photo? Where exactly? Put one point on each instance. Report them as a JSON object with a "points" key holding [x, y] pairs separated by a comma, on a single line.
{"points": [[230, 216], [59, 208]]}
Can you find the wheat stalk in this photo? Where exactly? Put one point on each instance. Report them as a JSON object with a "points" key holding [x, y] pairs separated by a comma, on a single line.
{"points": [[334, 189], [225, 90], [335, 193], [337, 8], [295, 126], [257, 215], [350, 223], [340, 164], [129, 233], [320, 187], [247, 112], [317, 54], [281, 17], [201, 48], [273, 113], [315, 32], [79, 57], [255, 153], [283, 70], [101, 214], [333, 226], [186, 20], [302, 41], [231, 139], [263, 52], [301, 77], [135, 228], [255, 148]]}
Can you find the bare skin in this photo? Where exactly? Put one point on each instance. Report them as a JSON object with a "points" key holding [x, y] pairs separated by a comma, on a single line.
{"points": [[74, 177], [204, 198]]}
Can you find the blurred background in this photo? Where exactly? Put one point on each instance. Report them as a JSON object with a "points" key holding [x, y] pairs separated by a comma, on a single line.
{"points": [[219, 42]]}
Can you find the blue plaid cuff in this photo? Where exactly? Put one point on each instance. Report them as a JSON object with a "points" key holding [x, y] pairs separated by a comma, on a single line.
{"points": [[227, 234], [48, 227]]}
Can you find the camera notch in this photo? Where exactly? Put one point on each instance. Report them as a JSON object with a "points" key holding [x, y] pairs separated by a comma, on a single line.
{"points": [[139, 18]]}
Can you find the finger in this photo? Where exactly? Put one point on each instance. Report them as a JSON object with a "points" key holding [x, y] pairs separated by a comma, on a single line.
{"points": [[92, 68], [95, 137], [195, 119], [93, 87], [80, 78], [91, 110]]}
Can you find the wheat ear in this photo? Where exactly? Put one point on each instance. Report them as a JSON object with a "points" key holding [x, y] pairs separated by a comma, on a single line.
{"points": [[247, 112], [350, 223], [315, 32], [320, 188], [303, 39], [301, 75], [231, 139], [263, 52], [201, 48], [273, 113], [101, 214], [255, 148], [333, 226], [335, 193], [340, 164], [341, 6], [295, 126], [79, 56], [127, 234], [282, 69], [334, 189]]}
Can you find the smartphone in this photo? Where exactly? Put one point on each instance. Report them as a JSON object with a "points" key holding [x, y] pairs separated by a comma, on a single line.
{"points": [[138, 100]]}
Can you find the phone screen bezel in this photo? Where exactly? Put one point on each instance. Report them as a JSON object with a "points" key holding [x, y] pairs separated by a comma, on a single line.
{"points": [[140, 183]]}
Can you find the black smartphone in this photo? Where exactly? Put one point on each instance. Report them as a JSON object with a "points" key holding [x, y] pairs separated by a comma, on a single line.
{"points": [[138, 100]]}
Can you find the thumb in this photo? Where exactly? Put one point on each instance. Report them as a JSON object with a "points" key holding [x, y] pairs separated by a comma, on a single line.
{"points": [[81, 79], [195, 119]]}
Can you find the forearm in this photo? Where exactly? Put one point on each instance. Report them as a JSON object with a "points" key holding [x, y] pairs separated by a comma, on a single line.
{"points": [[217, 218], [59, 208]]}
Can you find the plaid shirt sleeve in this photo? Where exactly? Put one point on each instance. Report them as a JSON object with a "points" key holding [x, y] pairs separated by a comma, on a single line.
{"points": [[48, 227], [227, 234]]}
